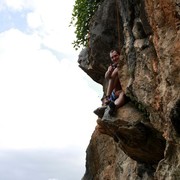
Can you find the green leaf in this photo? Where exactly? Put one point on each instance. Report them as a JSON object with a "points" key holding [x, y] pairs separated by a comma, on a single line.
{"points": [[83, 11]]}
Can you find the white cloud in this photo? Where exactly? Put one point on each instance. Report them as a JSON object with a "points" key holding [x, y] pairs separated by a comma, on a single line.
{"points": [[34, 20], [17, 5], [45, 98], [48, 19], [17, 42], [54, 25], [44, 101], [41, 164]]}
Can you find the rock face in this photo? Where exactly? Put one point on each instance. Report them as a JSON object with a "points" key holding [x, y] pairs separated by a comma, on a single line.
{"points": [[142, 141]]}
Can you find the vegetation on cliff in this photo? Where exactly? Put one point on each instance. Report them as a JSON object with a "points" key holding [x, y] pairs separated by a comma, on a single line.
{"points": [[82, 12]]}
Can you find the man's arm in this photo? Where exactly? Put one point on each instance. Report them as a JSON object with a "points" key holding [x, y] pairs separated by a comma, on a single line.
{"points": [[109, 72]]}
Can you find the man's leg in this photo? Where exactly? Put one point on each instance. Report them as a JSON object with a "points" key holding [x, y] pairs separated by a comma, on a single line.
{"points": [[112, 82], [120, 101]]}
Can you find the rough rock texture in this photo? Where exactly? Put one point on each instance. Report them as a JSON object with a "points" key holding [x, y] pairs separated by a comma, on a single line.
{"points": [[143, 140]]}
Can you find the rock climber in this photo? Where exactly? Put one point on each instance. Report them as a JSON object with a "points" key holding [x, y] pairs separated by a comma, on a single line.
{"points": [[114, 96]]}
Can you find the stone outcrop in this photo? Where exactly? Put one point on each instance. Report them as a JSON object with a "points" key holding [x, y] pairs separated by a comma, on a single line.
{"points": [[134, 134], [142, 141]]}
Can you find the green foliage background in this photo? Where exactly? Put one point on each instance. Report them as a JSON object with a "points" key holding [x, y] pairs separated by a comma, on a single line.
{"points": [[82, 13]]}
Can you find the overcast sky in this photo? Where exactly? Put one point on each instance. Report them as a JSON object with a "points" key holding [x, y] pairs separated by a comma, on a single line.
{"points": [[46, 100]]}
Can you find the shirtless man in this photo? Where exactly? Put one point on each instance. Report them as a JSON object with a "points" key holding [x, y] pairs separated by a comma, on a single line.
{"points": [[115, 97]]}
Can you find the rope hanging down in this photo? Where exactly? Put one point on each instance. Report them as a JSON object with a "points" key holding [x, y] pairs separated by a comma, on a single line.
{"points": [[118, 24]]}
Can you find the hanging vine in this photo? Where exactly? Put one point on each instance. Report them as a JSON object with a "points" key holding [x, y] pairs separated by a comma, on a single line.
{"points": [[83, 10]]}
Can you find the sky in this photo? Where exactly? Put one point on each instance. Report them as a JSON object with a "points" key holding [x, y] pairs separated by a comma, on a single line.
{"points": [[46, 100]]}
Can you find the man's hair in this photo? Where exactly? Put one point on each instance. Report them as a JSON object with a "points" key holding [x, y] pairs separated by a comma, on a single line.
{"points": [[116, 50]]}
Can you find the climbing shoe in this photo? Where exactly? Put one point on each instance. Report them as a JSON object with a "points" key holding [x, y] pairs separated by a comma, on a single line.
{"points": [[112, 109]]}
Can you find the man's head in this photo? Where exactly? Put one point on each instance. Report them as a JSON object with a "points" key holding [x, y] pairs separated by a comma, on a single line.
{"points": [[114, 55]]}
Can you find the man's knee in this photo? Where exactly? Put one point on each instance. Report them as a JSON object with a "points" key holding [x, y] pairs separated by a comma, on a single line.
{"points": [[114, 74]]}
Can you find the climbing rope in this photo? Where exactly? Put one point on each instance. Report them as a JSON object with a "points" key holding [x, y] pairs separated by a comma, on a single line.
{"points": [[118, 24]]}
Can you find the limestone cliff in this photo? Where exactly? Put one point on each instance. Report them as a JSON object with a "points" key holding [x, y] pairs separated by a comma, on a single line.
{"points": [[143, 140]]}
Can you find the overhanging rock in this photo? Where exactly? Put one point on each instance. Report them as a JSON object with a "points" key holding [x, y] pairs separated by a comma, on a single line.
{"points": [[134, 134]]}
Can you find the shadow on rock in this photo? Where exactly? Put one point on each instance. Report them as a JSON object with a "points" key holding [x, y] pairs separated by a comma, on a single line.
{"points": [[135, 135]]}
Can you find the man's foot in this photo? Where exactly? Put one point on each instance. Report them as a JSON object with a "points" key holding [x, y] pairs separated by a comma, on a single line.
{"points": [[100, 111], [112, 107]]}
